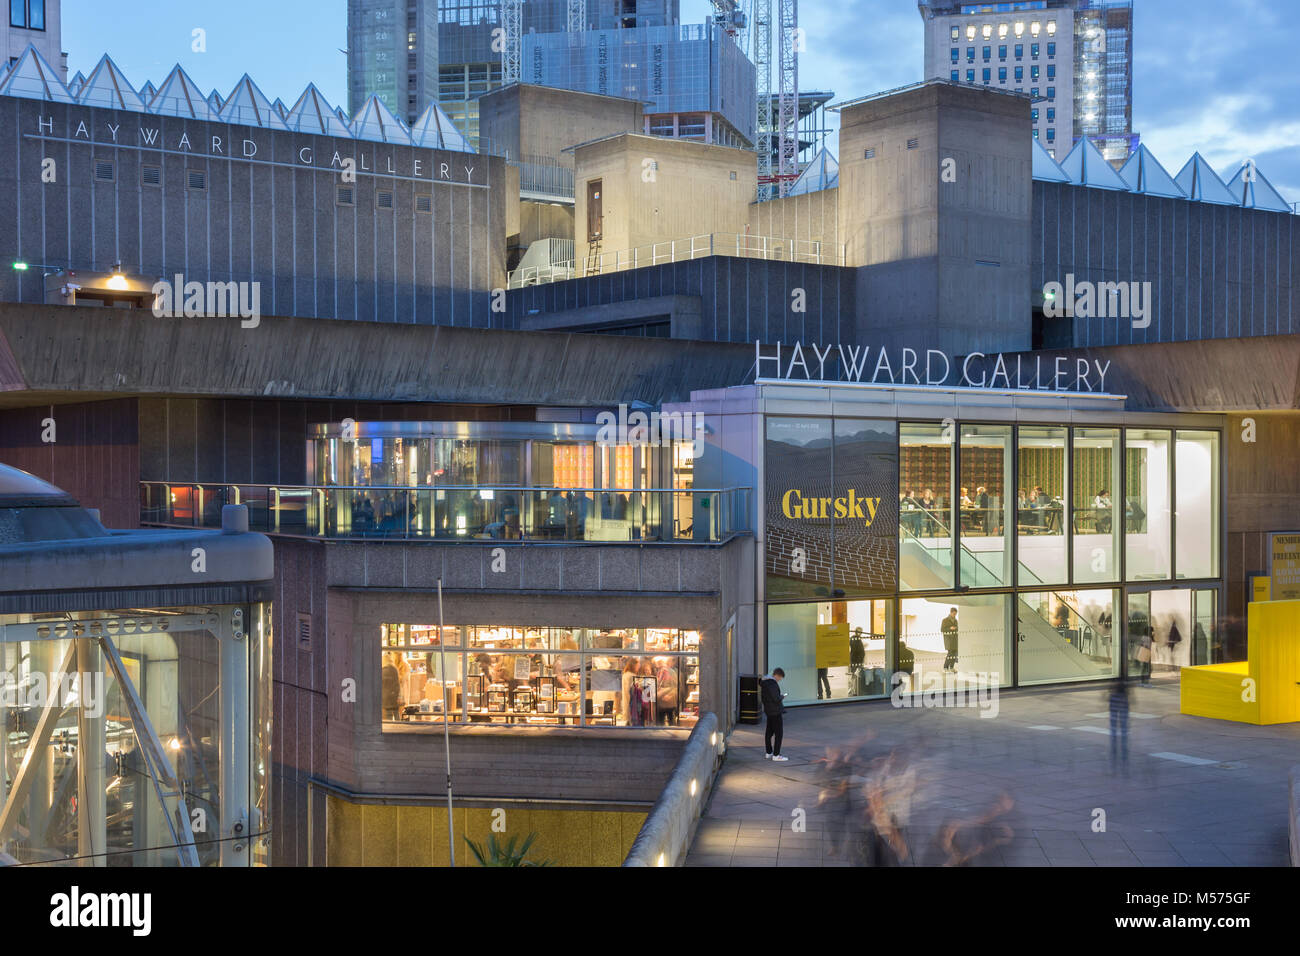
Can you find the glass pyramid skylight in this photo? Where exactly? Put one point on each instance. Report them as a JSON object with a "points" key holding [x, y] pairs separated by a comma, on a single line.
{"points": [[1255, 191], [107, 87], [435, 130], [1198, 181], [822, 173], [180, 96], [32, 77], [1144, 174], [377, 122]]}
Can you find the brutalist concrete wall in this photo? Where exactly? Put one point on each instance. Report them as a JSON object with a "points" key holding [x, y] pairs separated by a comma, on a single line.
{"points": [[934, 209], [239, 203]]}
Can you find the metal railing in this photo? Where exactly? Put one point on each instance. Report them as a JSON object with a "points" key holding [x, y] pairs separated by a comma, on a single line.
{"points": [[739, 245], [449, 514]]}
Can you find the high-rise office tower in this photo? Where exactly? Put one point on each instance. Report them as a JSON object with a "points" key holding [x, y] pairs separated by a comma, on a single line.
{"points": [[1074, 57], [463, 59], [37, 23], [392, 53]]}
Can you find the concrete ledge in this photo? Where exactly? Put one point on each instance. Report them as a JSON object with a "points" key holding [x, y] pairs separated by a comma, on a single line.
{"points": [[1294, 816], [667, 832]]}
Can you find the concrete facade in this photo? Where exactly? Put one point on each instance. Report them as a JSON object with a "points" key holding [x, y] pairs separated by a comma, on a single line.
{"points": [[934, 207], [238, 203]]}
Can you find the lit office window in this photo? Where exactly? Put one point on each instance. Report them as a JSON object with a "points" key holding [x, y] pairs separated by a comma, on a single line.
{"points": [[955, 33], [1196, 496], [1051, 27], [1035, 27], [1020, 27], [1002, 29], [970, 33], [987, 31]]}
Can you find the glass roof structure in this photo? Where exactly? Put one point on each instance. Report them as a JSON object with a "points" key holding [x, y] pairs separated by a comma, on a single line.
{"points": [[822, 173], [32, 77]]}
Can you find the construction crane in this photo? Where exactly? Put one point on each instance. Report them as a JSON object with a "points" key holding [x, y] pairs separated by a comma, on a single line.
{"points": [[577, 16], [787, 125], [511, 39], [776, 137]]}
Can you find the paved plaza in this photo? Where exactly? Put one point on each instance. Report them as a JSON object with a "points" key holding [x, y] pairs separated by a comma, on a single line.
{"points": [[1195, 792]]}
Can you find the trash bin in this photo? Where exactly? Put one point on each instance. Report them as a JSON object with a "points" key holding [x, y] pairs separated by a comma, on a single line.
{"points": [[750, 710]]}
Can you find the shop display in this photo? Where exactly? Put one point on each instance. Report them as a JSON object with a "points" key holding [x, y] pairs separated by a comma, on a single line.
{"points": [[609, 677]]}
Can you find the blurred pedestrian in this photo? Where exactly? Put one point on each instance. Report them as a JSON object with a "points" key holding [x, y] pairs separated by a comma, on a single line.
{"points": [[1119, 707]]}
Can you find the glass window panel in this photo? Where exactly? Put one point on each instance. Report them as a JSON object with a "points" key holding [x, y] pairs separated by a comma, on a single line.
{"points": [[798, 453], [831, 650], [1040, 505], [985, 470], [1171, 631], [1066, 636], [1196, 531], [1096, 504], [1146, 517], [925, 506], [972, 645], [864, 516]]}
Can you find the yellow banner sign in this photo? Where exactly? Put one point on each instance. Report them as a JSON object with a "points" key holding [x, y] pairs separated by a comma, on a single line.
{"points": [[833, 645], [1284, 571]]}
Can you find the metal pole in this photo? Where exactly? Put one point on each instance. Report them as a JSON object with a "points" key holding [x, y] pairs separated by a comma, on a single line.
{"points": [[446, 724]]}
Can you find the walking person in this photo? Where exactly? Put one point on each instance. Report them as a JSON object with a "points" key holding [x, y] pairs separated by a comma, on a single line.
{"points": [[774, 708], [949, 629], [1119, 707]]}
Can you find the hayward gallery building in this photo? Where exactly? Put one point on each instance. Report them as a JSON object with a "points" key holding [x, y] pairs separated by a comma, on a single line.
{"points": [[1074, 488]]}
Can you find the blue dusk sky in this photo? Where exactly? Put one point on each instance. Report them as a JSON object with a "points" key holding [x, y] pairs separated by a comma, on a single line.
{"points": [[1201, 79]]}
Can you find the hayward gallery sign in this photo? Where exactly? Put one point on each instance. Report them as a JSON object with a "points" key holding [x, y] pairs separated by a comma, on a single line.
{"points": [[854, 363]]}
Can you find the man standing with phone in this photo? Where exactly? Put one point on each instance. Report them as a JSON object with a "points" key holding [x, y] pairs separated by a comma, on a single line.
{"points": [[774, 708]]}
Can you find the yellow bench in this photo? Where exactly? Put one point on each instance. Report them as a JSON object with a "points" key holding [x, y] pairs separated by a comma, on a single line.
{"points": [[1264, 688]]}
